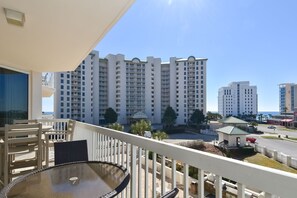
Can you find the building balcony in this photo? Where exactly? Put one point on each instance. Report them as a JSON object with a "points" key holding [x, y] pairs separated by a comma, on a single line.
{"points": [[153, 167], [47, 85]]}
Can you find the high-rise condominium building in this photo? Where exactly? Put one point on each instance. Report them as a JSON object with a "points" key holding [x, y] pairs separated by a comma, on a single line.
{"points": [[239, 98], [142, 87], [287, 97]]}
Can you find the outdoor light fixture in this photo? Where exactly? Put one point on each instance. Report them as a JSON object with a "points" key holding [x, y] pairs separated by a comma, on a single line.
{"points": [[14, 17]]}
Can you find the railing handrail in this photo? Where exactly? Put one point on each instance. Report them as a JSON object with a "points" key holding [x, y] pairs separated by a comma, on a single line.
{"points": [[53, 120], [267, 179]]}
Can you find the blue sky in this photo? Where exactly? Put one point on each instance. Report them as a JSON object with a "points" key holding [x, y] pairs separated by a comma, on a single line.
{"points": [[244, 40]]}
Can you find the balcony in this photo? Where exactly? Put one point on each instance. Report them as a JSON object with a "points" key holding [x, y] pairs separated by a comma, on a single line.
{"points": [[47, 85], [149, 170]]}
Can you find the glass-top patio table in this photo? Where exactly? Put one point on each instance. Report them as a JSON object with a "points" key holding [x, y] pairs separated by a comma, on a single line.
{"points": [[78, 179]]}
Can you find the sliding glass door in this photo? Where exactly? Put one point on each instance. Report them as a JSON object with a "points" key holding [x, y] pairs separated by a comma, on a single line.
{"points": [[14, 89]]}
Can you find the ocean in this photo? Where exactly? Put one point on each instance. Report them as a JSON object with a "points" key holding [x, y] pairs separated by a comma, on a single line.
{"points": [[269, 112]]}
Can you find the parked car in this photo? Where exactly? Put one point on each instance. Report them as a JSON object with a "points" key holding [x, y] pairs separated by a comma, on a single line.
{"points": [[251, 139], [271, 127]]}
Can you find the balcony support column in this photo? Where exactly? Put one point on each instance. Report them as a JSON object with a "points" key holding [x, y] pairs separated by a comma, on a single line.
{"points": [[154, 180], [133, 172], [201, 183], [163, 181], [240, 190], [186, 180], [139, 172], [173, 169], [218, 186], [146, 173]]}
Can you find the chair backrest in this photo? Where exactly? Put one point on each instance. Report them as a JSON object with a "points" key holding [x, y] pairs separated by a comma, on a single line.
{"points": [[35, 121], [22, 138], [18, 135], [171, 194], [71, 151]]}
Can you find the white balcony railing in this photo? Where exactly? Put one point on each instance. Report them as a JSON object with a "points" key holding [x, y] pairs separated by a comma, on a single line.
{"points": [[128, 150]]}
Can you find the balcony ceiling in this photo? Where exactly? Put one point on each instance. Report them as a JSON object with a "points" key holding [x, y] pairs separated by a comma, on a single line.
{"points": [[57, 34]]}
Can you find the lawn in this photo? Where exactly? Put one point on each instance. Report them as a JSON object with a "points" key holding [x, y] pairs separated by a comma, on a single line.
{"points": [[292, 138], [262, 160], [271, 137]]}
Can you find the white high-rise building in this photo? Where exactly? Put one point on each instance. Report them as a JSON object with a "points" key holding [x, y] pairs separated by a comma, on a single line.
{"points": [[76, 96], [239, 98], [142, 87]]}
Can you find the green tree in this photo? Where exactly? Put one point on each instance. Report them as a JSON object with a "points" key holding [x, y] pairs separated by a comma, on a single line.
{"points": [[260, 116], [197, 117], [213, 116], [116, 126], [141, 126], [169, 117], [160, 135], [253, 124], [110, 116]]}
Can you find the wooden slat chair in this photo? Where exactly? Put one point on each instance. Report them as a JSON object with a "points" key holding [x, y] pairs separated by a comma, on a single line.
{"points": [[58, 136], [25, 141], [34, 121]]}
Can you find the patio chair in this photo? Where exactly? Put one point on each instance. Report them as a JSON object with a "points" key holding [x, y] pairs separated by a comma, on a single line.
{"points": [[171, 194], [72, 151], [22, 150], [33, 121], [58, 136]]}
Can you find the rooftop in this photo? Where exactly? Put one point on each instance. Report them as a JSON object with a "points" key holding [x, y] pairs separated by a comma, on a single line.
{"points": [[231, 130]]}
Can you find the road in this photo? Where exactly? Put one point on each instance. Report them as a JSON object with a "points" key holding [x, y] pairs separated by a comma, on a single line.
{"points": [[284, 146], [279, 130]]}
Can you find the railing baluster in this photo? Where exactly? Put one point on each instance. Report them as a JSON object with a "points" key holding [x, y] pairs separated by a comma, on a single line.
{"points": [[133, 172], [127, 164], [105, 148], [139, 172], [186, 182], [173, 175], [114, 141], [118, 153], [95, 146], [218, 186], [240, 190], [100, 147], [201, 183], [163, 181], [146, 173], [108, 149], [154, 180], [123, 153]]}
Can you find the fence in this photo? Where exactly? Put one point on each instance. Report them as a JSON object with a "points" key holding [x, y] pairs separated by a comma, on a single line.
{"points": [[276, 155]]}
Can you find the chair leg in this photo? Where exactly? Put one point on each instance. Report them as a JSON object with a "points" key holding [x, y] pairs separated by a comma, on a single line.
{"points": [[6, 172], [47, 152]]}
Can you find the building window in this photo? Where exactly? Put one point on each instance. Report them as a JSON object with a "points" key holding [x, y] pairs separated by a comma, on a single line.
{"points": [[13, 96]]}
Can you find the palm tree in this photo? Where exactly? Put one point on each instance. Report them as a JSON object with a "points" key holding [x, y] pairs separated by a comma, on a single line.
{"points": [[140, 127], [116, 126], [160, 135]]}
